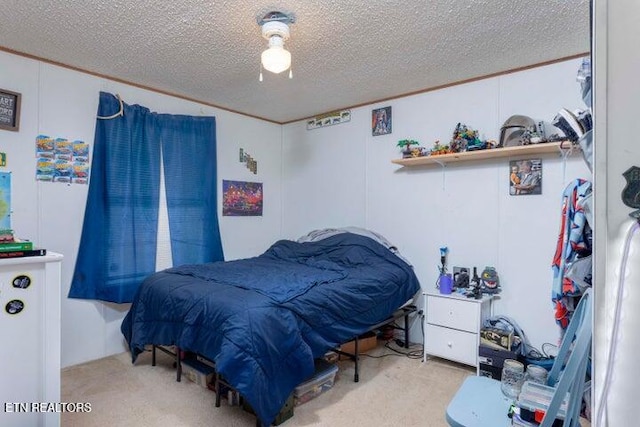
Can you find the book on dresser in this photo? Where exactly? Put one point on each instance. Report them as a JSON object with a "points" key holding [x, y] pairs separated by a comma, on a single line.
{"points": [[16, 245], [22, 253]]}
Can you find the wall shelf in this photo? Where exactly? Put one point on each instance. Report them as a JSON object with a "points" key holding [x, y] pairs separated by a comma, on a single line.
{"points": [[494, 153]]}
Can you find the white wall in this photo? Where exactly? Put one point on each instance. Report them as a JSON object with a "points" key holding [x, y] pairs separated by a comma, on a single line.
{"points": [[617, 91], [341, 175], [62, 103], [334, 176]]}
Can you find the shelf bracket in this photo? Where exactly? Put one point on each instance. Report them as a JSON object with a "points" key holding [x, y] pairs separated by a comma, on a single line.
{"points": [[443, 165]]}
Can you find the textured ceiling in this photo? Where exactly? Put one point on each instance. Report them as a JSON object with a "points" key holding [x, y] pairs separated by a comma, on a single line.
{"points": [[345, 52]]}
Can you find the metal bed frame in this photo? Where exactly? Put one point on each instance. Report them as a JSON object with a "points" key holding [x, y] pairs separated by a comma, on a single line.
{"points": [[390, 321], [402, 312]]}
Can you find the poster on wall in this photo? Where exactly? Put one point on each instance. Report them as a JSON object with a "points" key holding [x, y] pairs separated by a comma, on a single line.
{"points": [[241, 198], [5, 200], [62, 160], [381, 121], [329, 119], [525, 177]]}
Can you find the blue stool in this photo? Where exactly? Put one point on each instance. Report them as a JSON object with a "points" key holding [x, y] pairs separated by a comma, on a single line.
{"points": [[479, 403]]}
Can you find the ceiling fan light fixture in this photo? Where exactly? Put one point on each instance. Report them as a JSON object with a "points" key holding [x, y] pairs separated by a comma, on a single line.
{"points": [[275, 28], [276, 59]]}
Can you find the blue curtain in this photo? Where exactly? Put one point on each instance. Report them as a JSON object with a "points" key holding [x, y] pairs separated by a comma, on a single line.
{"points": [[189, 159], [119, 234]]}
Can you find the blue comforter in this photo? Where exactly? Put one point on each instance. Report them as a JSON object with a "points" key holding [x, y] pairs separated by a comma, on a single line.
{"points": [[263, 320]]}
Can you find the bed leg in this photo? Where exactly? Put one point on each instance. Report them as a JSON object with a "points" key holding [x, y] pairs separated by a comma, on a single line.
{"points": [[178, 365], [153, 355], [406, 331], [356, 375], [217, 387]]}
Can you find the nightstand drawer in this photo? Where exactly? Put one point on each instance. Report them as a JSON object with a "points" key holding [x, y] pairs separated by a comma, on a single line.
{"points": [[453, 313], [451, 344]]}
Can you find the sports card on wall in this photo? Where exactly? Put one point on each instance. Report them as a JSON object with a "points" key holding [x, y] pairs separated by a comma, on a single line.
{"points": [[525, 177]]}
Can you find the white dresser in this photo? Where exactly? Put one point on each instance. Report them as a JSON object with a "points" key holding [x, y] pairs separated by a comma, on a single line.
{"points": [[452, 326], [29, 338]]}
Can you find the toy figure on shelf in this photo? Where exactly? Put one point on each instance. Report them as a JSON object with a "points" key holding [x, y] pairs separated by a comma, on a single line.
{"points": [[418, 152], [407, 152], [490, 143], [465, 139], [439, 149], [530, 136]]}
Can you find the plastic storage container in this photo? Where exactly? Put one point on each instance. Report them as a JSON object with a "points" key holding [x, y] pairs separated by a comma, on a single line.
{"points": [[321, 381], [198, 372], [534, 400]]}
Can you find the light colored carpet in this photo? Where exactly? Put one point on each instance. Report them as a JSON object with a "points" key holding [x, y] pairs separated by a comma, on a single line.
{"points": [[392, 391]]}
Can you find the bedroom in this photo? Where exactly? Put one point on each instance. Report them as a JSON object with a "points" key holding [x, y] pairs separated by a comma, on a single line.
{"points": [[418, 210]]}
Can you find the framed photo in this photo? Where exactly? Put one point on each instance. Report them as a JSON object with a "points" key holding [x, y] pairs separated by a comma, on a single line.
{"points": [[525, 177], [461, 277], [381, 121], [9, 110]]}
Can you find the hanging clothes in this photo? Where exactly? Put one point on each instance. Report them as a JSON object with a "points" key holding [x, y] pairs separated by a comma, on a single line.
{"points": [[574, 244]]}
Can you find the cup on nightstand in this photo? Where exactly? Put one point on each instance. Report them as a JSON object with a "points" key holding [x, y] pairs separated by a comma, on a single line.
{"points": [[445, 283]]}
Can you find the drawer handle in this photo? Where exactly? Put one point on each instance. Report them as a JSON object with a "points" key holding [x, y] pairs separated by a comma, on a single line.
{"points": [[449, 344], [451, 312]]}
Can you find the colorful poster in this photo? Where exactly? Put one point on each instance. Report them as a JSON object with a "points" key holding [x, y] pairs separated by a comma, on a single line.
{"points": [[240, 198], [5, 200], [61, 160], [381, 121]]}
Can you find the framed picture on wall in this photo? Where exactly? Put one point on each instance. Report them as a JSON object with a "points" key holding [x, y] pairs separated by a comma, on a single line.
{"points": [[381, 121], [241, 198], [525, 177], [9, 110]]}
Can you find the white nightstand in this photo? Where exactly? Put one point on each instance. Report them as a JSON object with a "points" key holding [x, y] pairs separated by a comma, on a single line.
{"points": [[452, 326]]}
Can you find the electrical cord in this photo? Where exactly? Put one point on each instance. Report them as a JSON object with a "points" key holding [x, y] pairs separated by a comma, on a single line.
{"points": [[411, 354], [616, 323], [545, 352]]}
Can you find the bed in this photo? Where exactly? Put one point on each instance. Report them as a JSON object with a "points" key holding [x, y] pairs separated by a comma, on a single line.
{"points": [[264, 320]]}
